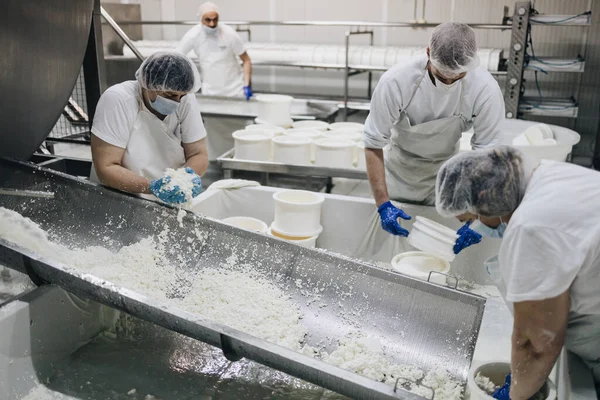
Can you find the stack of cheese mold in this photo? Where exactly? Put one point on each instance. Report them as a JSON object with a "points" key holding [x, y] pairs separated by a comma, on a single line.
{"points": [[297, 216]]}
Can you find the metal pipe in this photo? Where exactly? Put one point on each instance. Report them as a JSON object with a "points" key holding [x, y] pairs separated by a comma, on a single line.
{"points": [[346, 76], [415, 11], [121, 33], [324, 23], [423, 11]]}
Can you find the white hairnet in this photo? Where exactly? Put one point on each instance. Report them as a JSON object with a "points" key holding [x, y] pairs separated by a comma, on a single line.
{"points": [[453, 49], [169, 71], [489, 182], [207, 7]]}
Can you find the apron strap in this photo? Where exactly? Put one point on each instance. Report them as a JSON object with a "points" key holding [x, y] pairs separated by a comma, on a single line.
{"points": [[416, 88]]}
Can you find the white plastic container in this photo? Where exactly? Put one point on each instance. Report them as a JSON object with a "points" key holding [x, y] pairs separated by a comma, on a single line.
{"points": [[353, 126], [306, 133], [276, 130], [298, 213], [312, 124], [419, 265], [565, 138], [274, 109], [433, 238], [252, 145], [334, 153], [292, 150], [359, 156], [310, 242], [247, 223], [343, 134], [496, 371]]}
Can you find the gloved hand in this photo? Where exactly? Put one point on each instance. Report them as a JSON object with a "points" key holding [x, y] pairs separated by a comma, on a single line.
{"points": [[503, 392], [174, 195], [389, 219], [248, 92], [466, 237]]}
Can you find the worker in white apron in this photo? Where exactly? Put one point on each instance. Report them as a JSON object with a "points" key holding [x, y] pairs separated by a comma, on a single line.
{"points": [[419, 111], [219, 50], [548, 266], [145, 126]]}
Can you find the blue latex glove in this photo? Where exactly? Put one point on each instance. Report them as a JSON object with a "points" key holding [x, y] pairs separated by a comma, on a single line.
{"points": [[503, 392], [174, 195], [466, 237], [248, 92], [389, 219]]}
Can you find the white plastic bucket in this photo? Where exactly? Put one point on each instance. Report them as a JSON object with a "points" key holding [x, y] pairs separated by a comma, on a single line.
{"points": [[310, 242], [298, 213], [343, 134], [274, 108], [353, 126], [315, 125], [247, 223], [306, 133], [252, 145], [276, 130], [433, 238], [565, 138], [496, 371], [359, 156], [292, 150], [334, 153], [419, 265]]}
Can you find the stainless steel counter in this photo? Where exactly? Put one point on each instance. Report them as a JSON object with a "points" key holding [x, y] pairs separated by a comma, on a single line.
{"points": [[240, 108]]}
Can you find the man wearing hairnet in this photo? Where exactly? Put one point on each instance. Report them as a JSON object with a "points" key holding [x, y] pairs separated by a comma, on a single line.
{"points": [[548, 266], [219, 50], [145, 126], [418, 112]]}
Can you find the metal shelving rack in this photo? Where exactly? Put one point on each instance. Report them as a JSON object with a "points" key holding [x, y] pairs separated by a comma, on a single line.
{"points": [[516, 103]]}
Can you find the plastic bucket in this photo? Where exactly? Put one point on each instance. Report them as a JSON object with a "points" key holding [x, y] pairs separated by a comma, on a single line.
{"points": [[433, 238], [247, 223], [298, 213], [334, 153], [419, 265], [292, 150]]}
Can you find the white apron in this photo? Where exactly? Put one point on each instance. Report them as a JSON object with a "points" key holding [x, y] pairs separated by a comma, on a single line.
{"points": [[151, 148], [221, 72], [416, 153]]}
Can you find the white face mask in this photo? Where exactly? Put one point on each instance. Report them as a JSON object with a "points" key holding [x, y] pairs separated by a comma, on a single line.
{"points": [[444, 87], [208, 30]]}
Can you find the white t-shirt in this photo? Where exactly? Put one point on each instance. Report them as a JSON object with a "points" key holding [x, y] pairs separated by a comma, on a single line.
{"points": [[118, 108], [483, 103], [552, 241]]}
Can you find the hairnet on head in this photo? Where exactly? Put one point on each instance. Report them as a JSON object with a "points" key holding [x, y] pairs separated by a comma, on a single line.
{"points": [[207, 7], [453, 49], [489, 182], [168, 71]]}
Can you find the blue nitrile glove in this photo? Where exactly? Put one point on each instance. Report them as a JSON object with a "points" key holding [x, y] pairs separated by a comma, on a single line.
{"points": [[248, 92], [503, 392], [389, 219], [466, 237], [174, 195]]}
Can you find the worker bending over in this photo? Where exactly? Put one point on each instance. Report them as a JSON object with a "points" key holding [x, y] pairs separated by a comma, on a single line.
{"points": [[145, 126], [548, 266], [419, 111]]}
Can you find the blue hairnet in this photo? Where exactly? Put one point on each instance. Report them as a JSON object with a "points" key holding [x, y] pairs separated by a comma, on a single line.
{"points": [[168, 71], [453, 49], [488, 182]]}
